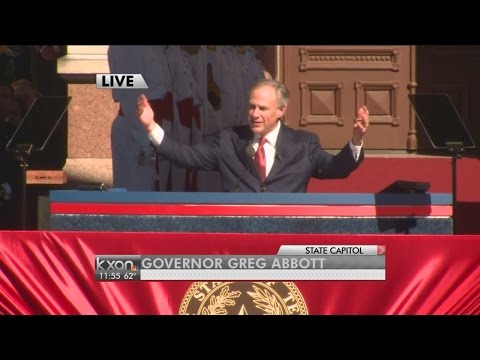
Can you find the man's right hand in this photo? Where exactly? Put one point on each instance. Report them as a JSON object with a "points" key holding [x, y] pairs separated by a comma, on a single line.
{"points": [[145, 113]]}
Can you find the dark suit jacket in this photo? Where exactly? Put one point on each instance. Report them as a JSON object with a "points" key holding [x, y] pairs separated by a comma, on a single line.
{"points": [[298, 157]]}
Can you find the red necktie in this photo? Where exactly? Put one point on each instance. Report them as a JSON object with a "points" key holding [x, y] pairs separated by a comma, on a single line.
{"points": [[260, 161]]}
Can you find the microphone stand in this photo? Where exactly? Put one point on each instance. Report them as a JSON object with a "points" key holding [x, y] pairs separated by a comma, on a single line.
{"points": [[236, 188], [22, 153], [456, 149]]}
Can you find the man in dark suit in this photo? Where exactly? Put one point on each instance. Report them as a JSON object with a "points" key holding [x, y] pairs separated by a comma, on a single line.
{"points": [[265, 156]]}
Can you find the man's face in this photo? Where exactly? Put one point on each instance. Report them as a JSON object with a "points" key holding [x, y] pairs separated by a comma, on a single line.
{"points": [[264, 111], [25, 93]]}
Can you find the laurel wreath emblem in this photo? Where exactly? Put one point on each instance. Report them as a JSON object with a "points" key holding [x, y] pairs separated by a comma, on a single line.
{"points": [[265, 301], [218, 303]]}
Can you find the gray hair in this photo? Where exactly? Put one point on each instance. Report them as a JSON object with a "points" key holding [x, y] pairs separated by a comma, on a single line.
{"points": [[281, 90]]}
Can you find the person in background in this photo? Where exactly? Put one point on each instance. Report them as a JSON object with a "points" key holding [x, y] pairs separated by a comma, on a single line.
{"points": [[31, 59], [186, 109], [7, 64], [25, 93], [135, 166], [10, 174]]}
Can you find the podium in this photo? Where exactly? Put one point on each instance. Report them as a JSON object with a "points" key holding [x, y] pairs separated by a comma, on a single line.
{"points": [[310, 213]]}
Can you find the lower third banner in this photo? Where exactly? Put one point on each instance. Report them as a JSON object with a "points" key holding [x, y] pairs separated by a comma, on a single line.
{"points": [[185, 273]]}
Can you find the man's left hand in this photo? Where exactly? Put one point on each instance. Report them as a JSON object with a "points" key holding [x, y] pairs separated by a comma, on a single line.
{"points": [[360, 126]]}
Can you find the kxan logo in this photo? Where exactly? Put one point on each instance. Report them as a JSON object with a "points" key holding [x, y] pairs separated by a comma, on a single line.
{"points": [[117, 262], [121, 81]]}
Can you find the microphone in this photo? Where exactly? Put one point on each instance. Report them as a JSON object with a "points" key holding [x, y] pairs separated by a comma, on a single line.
{"points": [[249, 153], [92, 187]]}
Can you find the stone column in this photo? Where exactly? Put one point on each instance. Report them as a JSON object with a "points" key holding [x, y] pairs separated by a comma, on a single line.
{"points": [[90, 115]]}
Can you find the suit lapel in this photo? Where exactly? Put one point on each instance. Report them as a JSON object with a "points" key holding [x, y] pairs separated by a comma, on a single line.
{"points": [[283, 148]]}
